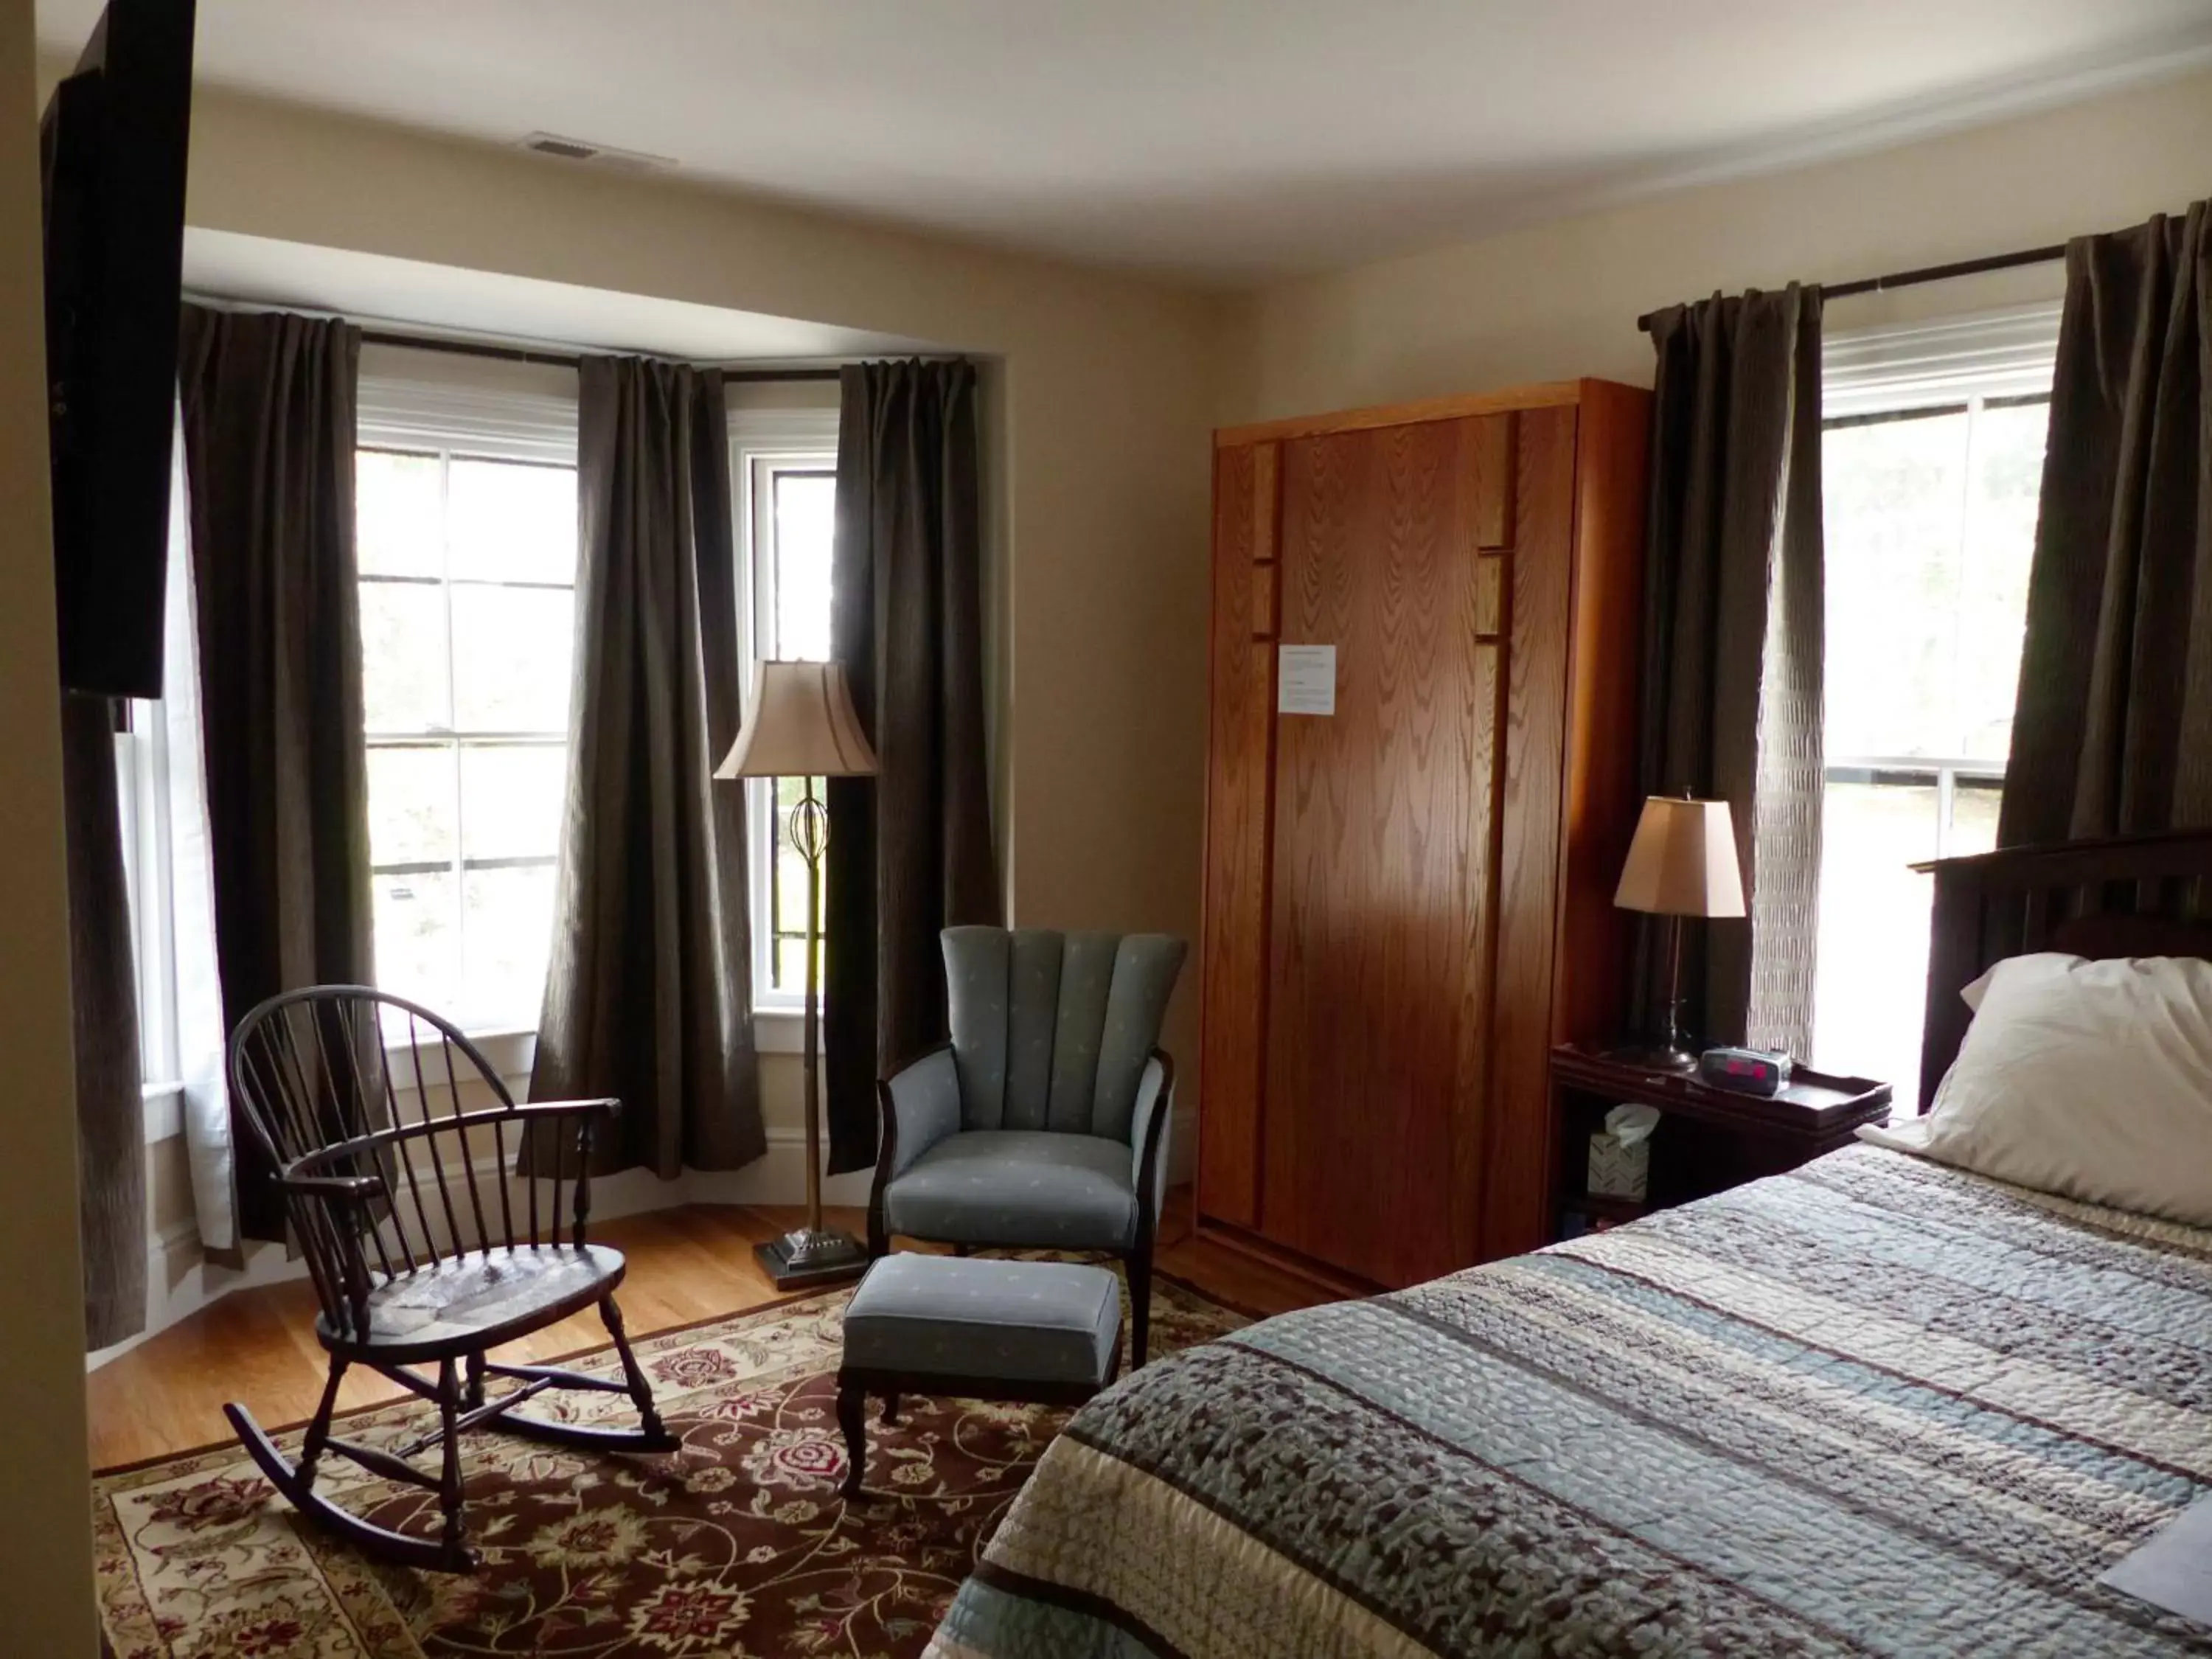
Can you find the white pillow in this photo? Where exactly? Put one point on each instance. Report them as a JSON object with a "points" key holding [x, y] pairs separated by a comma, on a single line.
{"points": [[2090, 1079]]}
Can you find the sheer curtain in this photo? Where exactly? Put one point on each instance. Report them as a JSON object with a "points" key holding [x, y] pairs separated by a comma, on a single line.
{"points": [[195, 984]]}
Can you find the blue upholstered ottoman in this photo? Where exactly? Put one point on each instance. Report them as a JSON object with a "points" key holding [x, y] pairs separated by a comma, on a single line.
{"points": [[1044, 1332]]}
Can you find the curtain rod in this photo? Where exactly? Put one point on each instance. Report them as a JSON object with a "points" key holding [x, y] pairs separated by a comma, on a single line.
{"points": [[506, 354], [2033, 255]]}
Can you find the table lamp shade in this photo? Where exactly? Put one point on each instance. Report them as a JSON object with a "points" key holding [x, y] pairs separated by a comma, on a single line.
{"points": [[800, 723], [1682, 862]]}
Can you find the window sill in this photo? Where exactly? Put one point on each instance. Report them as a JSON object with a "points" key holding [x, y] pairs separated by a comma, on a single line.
{"points": [[162, 1110], [776, 1031], [780, 1030]]}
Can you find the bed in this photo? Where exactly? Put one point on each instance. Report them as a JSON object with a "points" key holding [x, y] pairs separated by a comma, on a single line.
{"points": [[1877, 1406]]}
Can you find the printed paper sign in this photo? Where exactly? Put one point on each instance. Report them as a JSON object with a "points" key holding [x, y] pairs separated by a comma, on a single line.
{"points": [[1305, 680]]}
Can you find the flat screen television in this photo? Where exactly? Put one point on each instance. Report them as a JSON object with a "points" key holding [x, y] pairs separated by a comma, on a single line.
{"points": [[111, 146]]}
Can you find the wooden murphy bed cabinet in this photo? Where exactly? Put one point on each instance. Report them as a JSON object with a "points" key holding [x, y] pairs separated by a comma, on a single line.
{"points": [[1409, 900]]}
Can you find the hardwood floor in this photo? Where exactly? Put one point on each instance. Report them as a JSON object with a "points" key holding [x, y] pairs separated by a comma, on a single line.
{"points": [[686, 1265]]}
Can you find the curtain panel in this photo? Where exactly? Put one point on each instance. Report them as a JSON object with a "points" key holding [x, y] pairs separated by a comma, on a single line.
{"points": [[268, 404], [648, 995], [1732, 645], [110, 1133], [2113, 728], [910, 851]]}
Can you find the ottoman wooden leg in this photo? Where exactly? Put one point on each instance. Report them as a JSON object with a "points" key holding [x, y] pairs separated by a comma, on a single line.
{"points": [[851, 1413], [890, 1408]]}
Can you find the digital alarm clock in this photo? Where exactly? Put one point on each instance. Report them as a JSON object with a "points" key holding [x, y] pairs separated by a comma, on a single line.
{"points": [[1753, 1070]]}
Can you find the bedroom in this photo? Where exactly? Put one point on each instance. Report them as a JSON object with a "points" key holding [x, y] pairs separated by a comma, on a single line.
{"points": [[328, 177]]}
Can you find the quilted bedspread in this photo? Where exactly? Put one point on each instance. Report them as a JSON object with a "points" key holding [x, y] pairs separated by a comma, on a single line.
{"points": [[1876, 1407]]}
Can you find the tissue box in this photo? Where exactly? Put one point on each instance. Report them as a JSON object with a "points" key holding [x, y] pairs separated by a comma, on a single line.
{"points": [[1618, 1171]]}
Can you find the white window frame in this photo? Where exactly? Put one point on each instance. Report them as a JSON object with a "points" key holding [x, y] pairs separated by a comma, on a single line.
{"points": [[1900, 370], [487, 417], [762, 441]]}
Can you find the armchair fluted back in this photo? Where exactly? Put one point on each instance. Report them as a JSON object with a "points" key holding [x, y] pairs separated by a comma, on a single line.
{"points": [[1052, 1030]]}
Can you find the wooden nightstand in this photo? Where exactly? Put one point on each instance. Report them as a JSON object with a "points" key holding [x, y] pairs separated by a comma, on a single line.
{"points": [[1708, 1139]]}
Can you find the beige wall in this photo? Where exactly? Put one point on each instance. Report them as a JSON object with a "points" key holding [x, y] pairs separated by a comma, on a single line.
{"points": [[1106, 385], [45, 1514], [1562, 300]]}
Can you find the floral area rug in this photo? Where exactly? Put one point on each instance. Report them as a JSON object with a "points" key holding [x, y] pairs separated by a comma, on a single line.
{"points": [[737, 1544]]}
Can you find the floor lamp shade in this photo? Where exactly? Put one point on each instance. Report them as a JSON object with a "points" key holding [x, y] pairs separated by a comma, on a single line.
{"points": [[800, 723], [1682, 862]]}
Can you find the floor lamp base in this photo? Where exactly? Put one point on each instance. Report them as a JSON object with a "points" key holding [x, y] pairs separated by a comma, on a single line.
{"points": [[809, 1257]]}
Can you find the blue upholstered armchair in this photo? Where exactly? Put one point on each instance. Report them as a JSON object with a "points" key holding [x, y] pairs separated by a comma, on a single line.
{"points": [[1043, 1122]]}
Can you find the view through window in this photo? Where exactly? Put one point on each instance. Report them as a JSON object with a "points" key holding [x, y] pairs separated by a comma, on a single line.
{"points": [[788, 480], [1931, 517], [468, 571]]}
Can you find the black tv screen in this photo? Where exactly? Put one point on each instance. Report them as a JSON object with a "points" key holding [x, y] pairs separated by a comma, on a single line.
{"points": [[112, 147]]}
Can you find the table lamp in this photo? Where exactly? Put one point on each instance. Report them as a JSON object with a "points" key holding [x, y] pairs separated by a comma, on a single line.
{"points": [[1682, 863], [800, 723]]}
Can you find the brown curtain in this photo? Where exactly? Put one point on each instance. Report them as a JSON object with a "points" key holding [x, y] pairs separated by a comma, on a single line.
{"points": [[110, 1135], [649, 994], [909, 850], [269, 428], [1733, 632], [2112, 729]]}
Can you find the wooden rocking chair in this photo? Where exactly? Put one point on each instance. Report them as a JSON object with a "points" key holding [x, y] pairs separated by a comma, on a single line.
{"points": [[412, 1262]]}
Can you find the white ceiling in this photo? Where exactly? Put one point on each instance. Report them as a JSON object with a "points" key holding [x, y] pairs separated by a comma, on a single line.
{"points": [[1221, 141]]}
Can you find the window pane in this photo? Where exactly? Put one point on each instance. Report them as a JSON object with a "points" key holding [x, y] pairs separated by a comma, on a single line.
{"points": [[397, 524], [1895, 497], [417, 946], [509, 919], [511, 800], [403, 657], [1872, 973], [511, 654], [1973, 818], [512, 521], [806, 522], [791, 966], [410, 805], [2005, 481]]}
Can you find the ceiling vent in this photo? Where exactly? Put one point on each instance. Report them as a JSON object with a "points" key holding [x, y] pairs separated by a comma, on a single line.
{"points": [[598, 156]]}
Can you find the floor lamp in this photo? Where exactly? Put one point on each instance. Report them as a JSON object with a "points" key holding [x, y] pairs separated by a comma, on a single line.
{"points": [[800, 723]]}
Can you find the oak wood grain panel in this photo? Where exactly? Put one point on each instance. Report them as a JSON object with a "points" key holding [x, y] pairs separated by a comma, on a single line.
{"points": [[1612, 436], [1490, 592], [1516, 1197], [1550, 395], [1267, 501], [1233, 939], [1266, 600], [1379, 811], [1494, 456]]}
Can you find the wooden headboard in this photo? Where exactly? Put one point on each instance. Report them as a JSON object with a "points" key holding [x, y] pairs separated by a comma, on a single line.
{"points": [[2131, 895]]}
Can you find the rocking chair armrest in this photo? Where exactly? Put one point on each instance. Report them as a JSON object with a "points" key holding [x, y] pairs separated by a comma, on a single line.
{"points": [[607, 1106], [352, 1189]]}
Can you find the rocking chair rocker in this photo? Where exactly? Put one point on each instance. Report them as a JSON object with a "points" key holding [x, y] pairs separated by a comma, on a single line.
{"points": [[411, 1264]]}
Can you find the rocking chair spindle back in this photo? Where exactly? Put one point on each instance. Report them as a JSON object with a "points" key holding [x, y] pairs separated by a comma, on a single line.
{"points": [[387, 1126]]}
